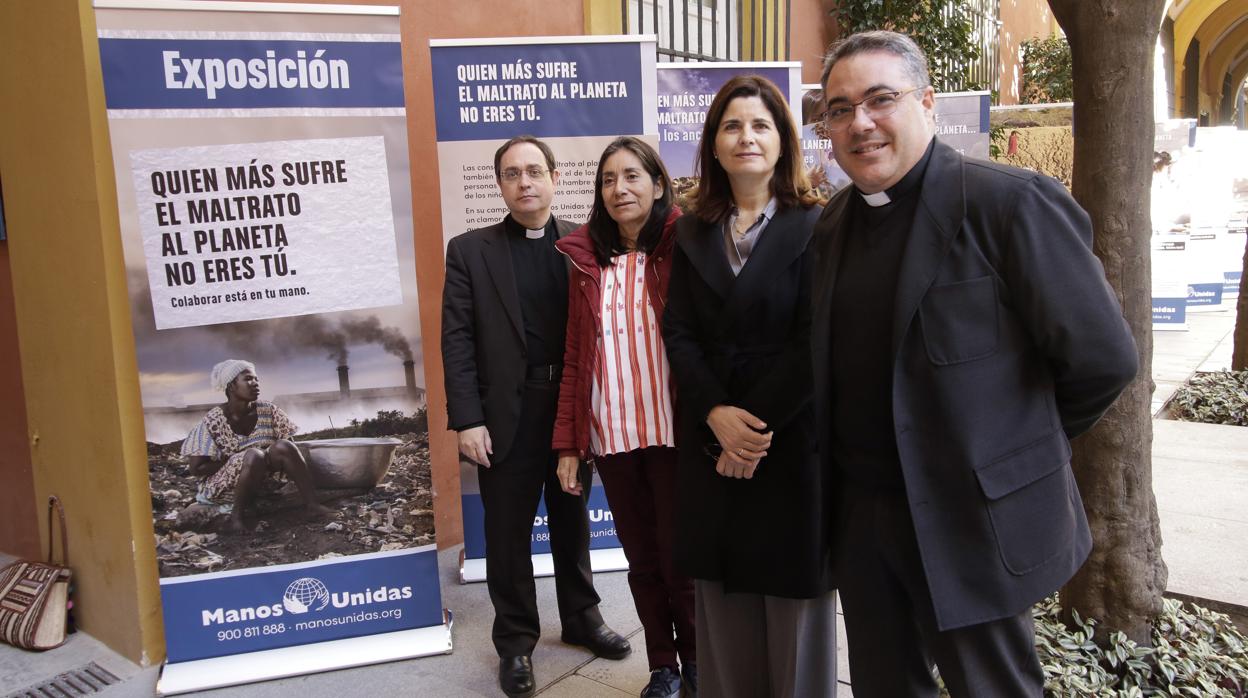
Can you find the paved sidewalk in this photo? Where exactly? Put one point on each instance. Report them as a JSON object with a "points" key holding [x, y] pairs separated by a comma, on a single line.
{"points": [[561, 670], [1200, 476], [1200, 472], [1205, 346]]}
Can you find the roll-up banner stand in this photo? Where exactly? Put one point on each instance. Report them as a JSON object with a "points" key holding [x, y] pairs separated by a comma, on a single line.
{"points": [[1210, 192], [1174, 163], [1170, 266], [685, 94], [261, 160], [961, 123], [577, 94], [1218, 215]]}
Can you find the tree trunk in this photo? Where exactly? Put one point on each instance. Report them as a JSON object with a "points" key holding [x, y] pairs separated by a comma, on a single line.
{"points": [[1111, 43], [1239, 356]]}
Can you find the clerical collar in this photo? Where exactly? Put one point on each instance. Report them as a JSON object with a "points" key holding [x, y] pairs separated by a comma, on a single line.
{"points": [[879, 198], [904, 186], [529, 233]]}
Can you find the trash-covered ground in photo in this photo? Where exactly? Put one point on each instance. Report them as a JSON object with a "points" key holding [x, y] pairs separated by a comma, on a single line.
{"points": [[397, 513]]}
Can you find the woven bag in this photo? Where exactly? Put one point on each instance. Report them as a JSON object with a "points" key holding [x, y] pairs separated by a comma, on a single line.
{"points": [[34, 595]]}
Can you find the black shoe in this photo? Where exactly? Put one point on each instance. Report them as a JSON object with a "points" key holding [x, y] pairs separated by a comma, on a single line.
{"points": [[664, 683], [602, 641], [515, 676], [689, 677]]}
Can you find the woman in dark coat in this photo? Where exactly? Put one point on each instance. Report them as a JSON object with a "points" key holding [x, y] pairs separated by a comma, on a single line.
{"points": [[752, 523]]}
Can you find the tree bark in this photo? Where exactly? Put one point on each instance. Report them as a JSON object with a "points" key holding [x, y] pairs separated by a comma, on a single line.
{"points": [[1239, 355], [1112, 43]]}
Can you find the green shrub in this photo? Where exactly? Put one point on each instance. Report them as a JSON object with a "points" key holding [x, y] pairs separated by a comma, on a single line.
{"points": [[1213, 398], [944, 29], [1048, 75], [1195, 652]]}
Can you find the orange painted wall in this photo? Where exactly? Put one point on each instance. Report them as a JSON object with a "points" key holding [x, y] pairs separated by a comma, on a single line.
{"points": [[19, 528], [1021, 20], [809, 35], [72, 322]]}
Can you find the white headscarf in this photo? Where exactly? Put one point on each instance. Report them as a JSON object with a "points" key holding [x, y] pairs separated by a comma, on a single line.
{"points": [[225, 372]]}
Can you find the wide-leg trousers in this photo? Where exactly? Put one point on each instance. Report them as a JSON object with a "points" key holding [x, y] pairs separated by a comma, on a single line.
{"points": [[758, 646]]}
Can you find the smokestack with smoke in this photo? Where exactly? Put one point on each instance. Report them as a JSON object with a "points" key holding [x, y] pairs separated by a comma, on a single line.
{"points": [[282, 337], [409, 370], [369, 331], [344, 384]]}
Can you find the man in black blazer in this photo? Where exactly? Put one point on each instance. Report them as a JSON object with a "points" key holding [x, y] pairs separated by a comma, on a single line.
{"points": [[963, 332], [504, 311]]}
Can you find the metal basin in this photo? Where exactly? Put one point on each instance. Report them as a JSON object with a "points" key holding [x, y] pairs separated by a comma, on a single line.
{"points": [[348, 463]]}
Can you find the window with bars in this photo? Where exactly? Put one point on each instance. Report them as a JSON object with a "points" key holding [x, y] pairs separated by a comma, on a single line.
{"points": [[983, 73], [711, 30]]}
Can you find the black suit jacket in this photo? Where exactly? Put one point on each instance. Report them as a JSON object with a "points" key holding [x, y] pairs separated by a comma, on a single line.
{"points": [[483, 347], [1007, 342], [745, 341]]}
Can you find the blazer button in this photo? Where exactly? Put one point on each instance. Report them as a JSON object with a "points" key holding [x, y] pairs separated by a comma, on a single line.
{"points": [[582, 282], [658, 259]]}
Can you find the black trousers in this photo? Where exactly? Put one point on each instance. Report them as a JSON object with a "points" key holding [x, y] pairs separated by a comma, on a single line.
{"points": [[891, 626], [510, 491]]}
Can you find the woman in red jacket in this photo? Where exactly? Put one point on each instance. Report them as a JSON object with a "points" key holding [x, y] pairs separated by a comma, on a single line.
{"points": [[615, 398]]}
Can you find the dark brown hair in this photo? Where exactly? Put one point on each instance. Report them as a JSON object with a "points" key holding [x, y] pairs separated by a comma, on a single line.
{"points": [[604, 232], [546, 152], [789, 184]]}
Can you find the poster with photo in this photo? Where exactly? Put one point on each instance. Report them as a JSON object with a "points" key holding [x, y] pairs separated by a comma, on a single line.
{"points": [[1171, 214], [1219, 210], [261, 162], [1170, 264], [577, 94]]}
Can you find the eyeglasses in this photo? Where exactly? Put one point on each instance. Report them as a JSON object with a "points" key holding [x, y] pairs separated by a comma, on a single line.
{"points": [[513, 175], [877, 106]]}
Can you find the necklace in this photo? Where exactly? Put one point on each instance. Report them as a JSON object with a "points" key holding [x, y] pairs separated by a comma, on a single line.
{"points": [[741, 226]]}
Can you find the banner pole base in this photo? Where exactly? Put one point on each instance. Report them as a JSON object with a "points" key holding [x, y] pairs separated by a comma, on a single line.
{"points": [[218, 672], [600, 560]]}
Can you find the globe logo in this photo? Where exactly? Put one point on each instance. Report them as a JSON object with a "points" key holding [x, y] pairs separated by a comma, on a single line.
{"points": [[305, 594]]}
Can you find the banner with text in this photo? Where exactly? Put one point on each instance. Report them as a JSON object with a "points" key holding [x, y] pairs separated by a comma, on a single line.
{"points": [[1173, 178], [575, 93], [1219, 209], [261, 160]]}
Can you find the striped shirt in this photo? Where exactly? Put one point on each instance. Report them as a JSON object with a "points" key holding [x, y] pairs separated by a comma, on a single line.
{"points": [[632, 402]]}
